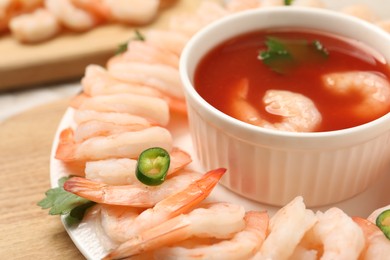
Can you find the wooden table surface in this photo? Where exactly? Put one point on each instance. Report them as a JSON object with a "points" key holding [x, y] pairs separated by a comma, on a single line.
{"points": [[27, 231]]}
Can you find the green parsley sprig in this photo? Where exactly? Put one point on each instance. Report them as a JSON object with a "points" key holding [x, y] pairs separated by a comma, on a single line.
{"points": [[65, 203], [123, 46]]}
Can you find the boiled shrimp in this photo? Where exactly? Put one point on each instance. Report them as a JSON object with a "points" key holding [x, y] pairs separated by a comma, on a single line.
{"points": [[133, 11], [242, 5], [96, 7], [152, 108], [287, 228], [97, 82], [144, 51], [377, 245], [190, 23], [12, 8], [180, 202], [373, 88], [297, 112], [241, 246], [169, 40], [95, 128], [70, 16], [123, 145], [82, 116], [135, 195], [335, 236], [162, 77], [218, 220], [34, 27], [122, 171]]}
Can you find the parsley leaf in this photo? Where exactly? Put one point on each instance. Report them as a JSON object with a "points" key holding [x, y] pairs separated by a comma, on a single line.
{"points": [[282, 55], [288, 2], [123, 46], [62, 202]]}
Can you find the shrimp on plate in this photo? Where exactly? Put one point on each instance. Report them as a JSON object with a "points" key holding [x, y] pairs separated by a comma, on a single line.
{"points": [[34, 27], [242, 5], [373, 88], [169, 40], [82, 116], [179, 202], [152, 108], [98, 82], [122, 171], [122, 145], [298, 113], [287, 228], [377, 245], [95, 128], [189, 23], [144, 51], [240, 234], [334, 236], [135, 195], [242, 245], [160, 76]]}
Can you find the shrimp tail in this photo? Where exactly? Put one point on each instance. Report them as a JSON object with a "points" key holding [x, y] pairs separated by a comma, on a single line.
{"points": [[195, 193], [168, 233], [85, 188], [78, 100], [66, 146]]}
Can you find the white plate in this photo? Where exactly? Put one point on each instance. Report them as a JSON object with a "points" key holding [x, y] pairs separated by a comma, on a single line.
{"points": [[85, 236]]}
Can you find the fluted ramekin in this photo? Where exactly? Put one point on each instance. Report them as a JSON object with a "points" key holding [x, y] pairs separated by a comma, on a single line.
{"points": [[271, 166]]}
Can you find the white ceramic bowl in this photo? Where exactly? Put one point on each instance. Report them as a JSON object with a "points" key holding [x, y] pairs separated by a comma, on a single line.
{"points": [[271, 166]]}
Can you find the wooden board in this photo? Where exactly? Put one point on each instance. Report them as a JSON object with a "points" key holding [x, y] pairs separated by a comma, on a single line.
{"points": [[27, 231], [66, 56]]}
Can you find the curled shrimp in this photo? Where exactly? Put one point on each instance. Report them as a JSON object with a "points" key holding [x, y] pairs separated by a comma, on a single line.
{"points": [[218, 220], [95, 128], [377, 245], [122, 145], [12, 8], [98, 82], [373, 89], [180, 202], [287, 228], [135, 195], [153, 108], [297, 112], [71, 16], [82, 116], [241, 246], [335, 236], [145, 51], [34, 27], [172, 41], [122, 171]]}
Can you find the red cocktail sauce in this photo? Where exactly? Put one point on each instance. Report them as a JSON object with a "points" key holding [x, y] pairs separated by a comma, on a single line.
{"points": [[223, 67]]}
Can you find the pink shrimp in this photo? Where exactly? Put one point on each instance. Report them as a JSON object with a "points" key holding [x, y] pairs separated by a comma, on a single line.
{"points": [[12, 8], [122, 145], [240, 235], [144, 51], [121, 223], [298, 113], [82, 116], [122, 171], [135, 195], [97, 81], [95, 128], [152, 108], [169, 40], [373, 88], [140, 195]]}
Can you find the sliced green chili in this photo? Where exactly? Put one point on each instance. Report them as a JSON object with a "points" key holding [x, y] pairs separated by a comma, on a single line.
{"points": [[152, 166], [383, 222]]}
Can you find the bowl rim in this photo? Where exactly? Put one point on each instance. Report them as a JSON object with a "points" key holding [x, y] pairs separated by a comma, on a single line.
{"points": [[375, 127]]}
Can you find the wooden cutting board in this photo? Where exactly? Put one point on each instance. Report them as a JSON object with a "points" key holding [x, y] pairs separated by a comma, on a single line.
{"points": [[27, 231], [66, 56]]}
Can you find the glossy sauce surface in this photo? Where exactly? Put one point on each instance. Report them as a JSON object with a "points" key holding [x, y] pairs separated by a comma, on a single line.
{"points": [[219, 72]]}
